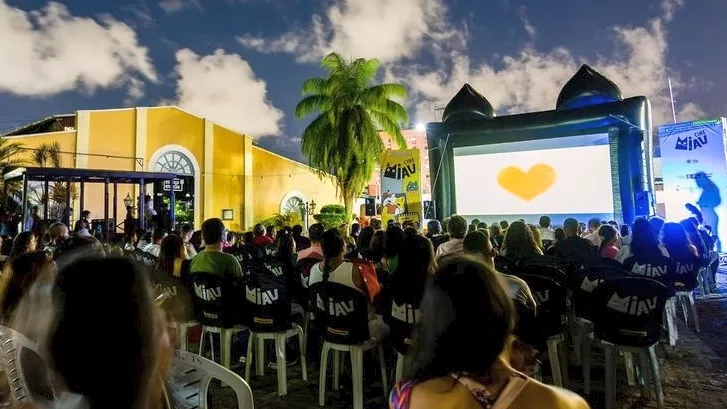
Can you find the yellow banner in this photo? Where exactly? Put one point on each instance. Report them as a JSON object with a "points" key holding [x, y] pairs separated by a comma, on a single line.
{"points": [[401, 195]]}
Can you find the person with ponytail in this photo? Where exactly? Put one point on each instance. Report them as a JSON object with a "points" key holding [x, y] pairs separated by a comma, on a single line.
{"points": [[335, 269], [609, 241]]}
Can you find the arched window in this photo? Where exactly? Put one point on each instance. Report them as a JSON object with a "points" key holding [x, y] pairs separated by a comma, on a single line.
{"points": [[174, 162]]}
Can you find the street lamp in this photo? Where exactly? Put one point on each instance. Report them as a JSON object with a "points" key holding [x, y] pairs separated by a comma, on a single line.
{"points": [[128, 201], [308, 209]]}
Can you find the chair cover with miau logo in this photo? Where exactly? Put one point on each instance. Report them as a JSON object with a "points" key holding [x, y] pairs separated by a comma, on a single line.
{"points": [[550, 296], [179, 303], [404, 315], [628, 310], [686, 274], [218, 302], [344, 313], [656, 266], [585, 279], [246, 253], [267, 295]]}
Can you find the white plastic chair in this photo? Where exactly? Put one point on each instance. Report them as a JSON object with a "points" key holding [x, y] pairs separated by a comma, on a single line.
{"points": [[356, 352], [280, 338], [182, 329], [190, 379], [225, 341], [686, 299], [12, 344]]}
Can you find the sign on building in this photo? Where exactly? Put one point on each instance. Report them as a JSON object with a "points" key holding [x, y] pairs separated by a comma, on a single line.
{"points": [[401, 195]]}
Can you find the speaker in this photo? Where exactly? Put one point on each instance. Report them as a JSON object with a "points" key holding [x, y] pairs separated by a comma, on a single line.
{"points": [[429, 210], [370, 206], [642, 203]]}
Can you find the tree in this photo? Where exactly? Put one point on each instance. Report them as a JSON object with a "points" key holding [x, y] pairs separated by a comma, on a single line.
{"points": [[9, 157], [48, 155], [343, 139]]}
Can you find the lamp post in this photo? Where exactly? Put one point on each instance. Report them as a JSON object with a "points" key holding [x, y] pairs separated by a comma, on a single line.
{"points": [[308, 209], [128, 201]]}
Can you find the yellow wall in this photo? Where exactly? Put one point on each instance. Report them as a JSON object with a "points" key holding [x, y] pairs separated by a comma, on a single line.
{"points": [[274, 176], [66, 140], [111, 133], [228, 178], [266, 177]]}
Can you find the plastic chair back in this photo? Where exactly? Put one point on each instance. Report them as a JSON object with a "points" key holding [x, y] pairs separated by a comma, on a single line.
{"points": [[542, 266], [551, 298], [656, 267], [191, 374], [218, 301], [628, 310], [344, 313], [267, 295], [585, 279], [179, 302], [686, 273], [26, 370]]}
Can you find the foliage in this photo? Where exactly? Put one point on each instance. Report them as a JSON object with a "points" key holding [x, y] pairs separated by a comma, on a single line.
{"points": [[10, 156], [343, 139], [48, 155], [332, 216], [182, 214], [279, 220]]}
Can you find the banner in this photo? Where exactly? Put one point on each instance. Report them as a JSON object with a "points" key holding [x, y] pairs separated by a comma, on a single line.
{"points": [[694, 171], [401, 195]]}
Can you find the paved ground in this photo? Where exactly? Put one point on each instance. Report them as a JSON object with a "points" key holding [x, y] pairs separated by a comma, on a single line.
{"points": [[694, 374]]}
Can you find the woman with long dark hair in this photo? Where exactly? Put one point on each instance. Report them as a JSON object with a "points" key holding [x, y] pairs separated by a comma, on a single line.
{"points": [[695, 238], [460, 351], [609, 241], [24, 242], [172, 256], [519, 243], [416, 265], [335, 269], [25, 271], [643, 242]]}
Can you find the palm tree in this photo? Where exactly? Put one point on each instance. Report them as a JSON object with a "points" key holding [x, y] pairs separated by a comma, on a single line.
{"points": [[9, 157], [343, 139], [48, 155]]}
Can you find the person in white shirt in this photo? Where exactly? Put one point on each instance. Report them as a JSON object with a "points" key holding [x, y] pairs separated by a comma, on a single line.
{"points": [[546, 230], [155, 248], [593, 225], [457, 227]]}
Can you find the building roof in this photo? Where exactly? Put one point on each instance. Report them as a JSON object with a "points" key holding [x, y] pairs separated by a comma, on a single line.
{"points": [[84, 175], [53, 123]]}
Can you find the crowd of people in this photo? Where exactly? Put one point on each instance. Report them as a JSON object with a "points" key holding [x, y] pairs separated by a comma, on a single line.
{"points": [[91, 307]]}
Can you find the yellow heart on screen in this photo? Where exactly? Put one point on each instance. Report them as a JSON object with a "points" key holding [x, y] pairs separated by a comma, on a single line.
{"points": [[527, 185]]}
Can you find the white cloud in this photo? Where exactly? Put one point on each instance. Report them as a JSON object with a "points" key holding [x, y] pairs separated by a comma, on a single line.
{"points": [[224, 88], [50, 51], [531, 30], [385, 29], [531, 79], [172, 6], [669, 7]]}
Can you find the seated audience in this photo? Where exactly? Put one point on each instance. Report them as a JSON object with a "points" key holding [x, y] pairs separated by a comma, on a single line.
{"points": [[537, 237], [186, 232], [212, 259], [301, 242], [643, 242], [434, 233], [315, 233], [24, 243], [460, 353], [546, 230], [172, 259], [496, 235], [593, 225], [156, 240], [376, 224], [363, 243], [138, 337], [625, 234], [393, 240], [261, 238], [573, 248], [457, 228], [609, 241], [27, 270], [519, 243], [690, 227], [478, 245], [656, 223], [335, 269], [58, 233]]}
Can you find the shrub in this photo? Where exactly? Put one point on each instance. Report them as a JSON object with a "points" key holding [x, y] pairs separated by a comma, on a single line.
{"points": [[331, 216]]}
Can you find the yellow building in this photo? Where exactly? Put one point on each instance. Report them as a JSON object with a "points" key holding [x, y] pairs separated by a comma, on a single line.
{"points": [[224, 169]]}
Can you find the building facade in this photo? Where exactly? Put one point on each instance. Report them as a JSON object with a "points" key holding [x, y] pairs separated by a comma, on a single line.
{"points": [[221, 172]]}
